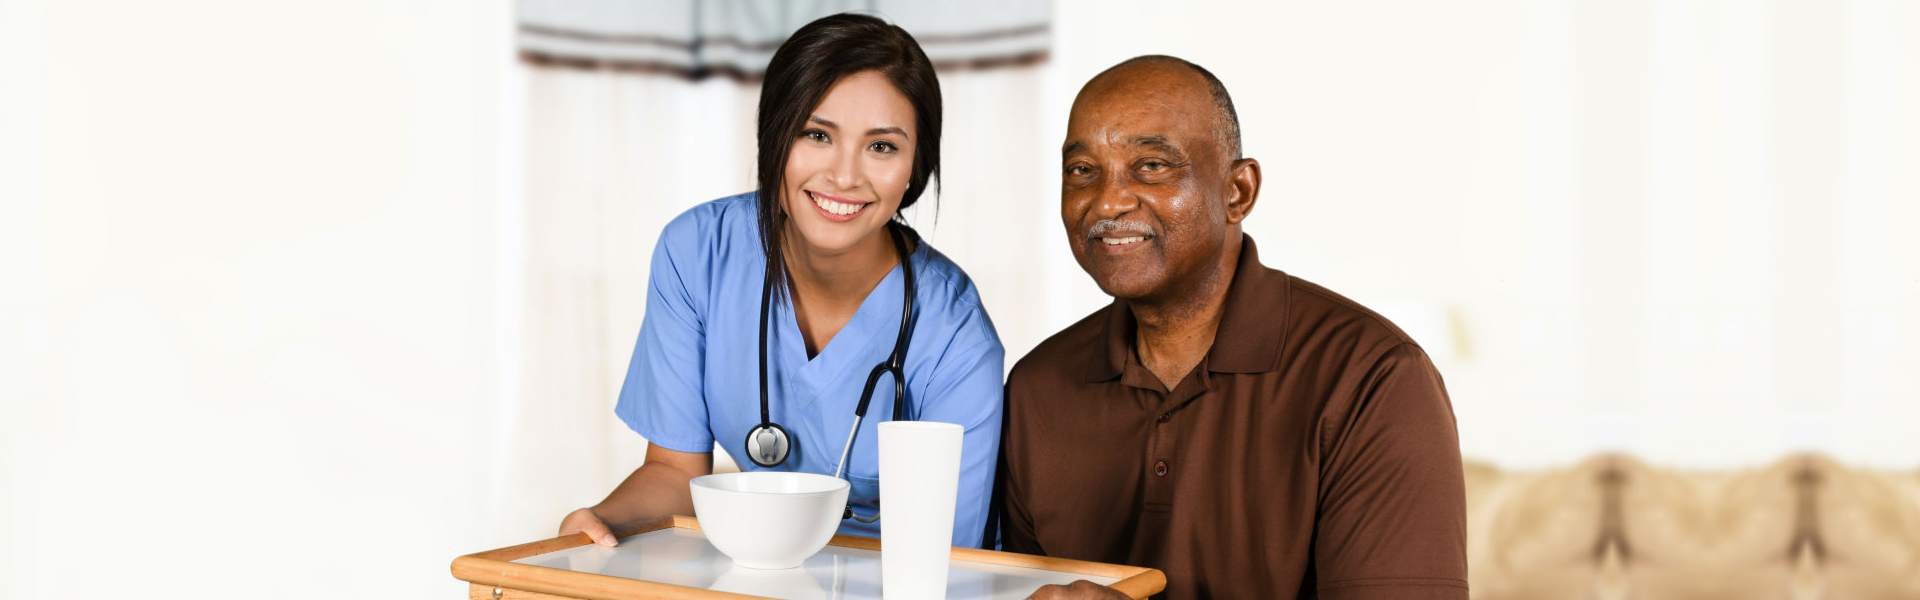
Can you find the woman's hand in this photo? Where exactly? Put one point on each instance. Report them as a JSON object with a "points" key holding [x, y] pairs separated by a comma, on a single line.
{"points": [[1079, 590], [657, 489], [584, 521]]}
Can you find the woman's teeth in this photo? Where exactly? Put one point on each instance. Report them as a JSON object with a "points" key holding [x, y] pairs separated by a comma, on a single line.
{"points": [[1124, 240], [838, 208]]}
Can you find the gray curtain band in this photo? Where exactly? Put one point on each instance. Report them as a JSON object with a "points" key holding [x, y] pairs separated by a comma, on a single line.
{"points": [[736, 38]]}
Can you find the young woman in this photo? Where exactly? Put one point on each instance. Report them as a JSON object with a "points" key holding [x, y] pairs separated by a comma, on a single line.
{"points": [[770, 312]]}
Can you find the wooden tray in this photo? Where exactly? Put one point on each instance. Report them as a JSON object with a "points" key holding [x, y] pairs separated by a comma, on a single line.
{"points": [[516, 573]]}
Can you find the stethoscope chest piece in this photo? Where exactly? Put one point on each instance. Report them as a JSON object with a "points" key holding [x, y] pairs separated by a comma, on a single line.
{"points": [[768, 445]]}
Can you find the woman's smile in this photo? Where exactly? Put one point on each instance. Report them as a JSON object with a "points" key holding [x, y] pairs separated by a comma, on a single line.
{"points": [[837, 208]]}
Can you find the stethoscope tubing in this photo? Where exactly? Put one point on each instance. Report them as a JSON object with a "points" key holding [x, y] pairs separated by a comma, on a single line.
{"points": [[895, 365]]}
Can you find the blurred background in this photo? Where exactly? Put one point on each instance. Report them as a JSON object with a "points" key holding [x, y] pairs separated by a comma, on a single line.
{"points": [[307, 298]]}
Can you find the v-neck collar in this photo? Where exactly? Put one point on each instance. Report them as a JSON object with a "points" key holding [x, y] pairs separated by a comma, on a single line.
{"points": [[861, 344]]}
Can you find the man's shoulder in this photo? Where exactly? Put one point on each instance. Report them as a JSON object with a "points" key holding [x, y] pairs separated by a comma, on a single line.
{"points": [[1065, 353], [1318, 313]]}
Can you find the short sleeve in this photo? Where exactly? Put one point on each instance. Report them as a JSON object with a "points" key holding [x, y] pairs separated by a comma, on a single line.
{"points": [[1392, 520], [663, 396], [966, 390]]}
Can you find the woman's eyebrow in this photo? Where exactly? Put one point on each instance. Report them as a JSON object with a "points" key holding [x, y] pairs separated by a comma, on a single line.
{"points": [[875, 131]]}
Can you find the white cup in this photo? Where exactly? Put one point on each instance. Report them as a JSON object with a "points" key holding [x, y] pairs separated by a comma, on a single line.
{"points": [[919, 477]]}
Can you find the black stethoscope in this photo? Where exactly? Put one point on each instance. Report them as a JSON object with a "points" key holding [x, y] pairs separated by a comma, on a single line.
{"points": [[768, 444]]}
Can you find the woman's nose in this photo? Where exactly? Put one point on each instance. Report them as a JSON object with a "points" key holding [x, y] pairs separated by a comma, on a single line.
{"points": [[845, 170]]}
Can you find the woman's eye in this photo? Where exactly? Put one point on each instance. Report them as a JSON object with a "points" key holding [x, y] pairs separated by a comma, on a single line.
{"points": [[884, 147], [816, 135]]}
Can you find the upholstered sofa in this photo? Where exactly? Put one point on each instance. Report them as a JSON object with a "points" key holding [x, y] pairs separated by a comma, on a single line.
{"points": [[1614, 527]]}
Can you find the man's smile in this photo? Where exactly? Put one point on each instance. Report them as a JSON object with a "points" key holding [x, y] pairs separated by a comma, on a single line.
{"points": [[1120, 236], [1121, 244]]}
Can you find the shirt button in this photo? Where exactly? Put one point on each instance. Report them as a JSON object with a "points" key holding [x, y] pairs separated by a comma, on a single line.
{"points": [[1160, 468], [1164, 417]]}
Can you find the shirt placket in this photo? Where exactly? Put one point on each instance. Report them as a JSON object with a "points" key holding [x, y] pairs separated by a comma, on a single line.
{"points": [[1161, 460], [1164, 458]]}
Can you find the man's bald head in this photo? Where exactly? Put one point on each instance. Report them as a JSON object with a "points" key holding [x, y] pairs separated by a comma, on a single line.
{"points": [[1226, 120]]}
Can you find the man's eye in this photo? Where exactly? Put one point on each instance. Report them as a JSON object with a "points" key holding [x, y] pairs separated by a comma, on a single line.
{"points": [[1152, 165], [1078, 170]]}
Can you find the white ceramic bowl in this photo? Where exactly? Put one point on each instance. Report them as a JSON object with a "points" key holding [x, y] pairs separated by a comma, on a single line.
{"points": [[769, 519]]}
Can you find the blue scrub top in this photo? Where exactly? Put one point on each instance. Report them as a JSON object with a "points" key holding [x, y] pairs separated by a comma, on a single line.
{"points": [[694, 378]]}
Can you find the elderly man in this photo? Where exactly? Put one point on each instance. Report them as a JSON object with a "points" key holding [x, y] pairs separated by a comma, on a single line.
{"points": [[1248, 433]]}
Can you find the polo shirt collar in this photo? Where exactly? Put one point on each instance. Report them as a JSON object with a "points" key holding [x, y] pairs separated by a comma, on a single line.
{"points": [[1247, 341]]}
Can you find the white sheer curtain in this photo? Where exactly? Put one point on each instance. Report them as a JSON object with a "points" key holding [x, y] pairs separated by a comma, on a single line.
{"points": [[610, 157]]}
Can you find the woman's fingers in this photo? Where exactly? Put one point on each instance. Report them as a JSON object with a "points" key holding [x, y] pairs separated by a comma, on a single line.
{"points": [[584, 521], [600, 533]]}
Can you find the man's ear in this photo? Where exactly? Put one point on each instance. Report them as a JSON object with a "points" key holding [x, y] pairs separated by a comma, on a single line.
{"points": [[1243, 189]]}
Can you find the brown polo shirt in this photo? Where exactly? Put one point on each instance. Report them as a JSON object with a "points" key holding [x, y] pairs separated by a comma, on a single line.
{"points": [[1311, 454]]}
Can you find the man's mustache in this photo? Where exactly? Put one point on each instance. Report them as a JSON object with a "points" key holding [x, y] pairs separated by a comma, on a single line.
{"points": [[1106, 226]]}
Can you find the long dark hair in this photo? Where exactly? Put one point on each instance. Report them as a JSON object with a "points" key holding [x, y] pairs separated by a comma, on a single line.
{"points": [[812, 60]]}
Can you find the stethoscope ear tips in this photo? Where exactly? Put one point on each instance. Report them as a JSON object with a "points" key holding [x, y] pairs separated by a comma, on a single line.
{"points": [[767, 445]]}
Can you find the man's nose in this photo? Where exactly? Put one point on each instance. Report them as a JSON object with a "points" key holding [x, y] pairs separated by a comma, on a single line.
{"points": [[1116, 197]]}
